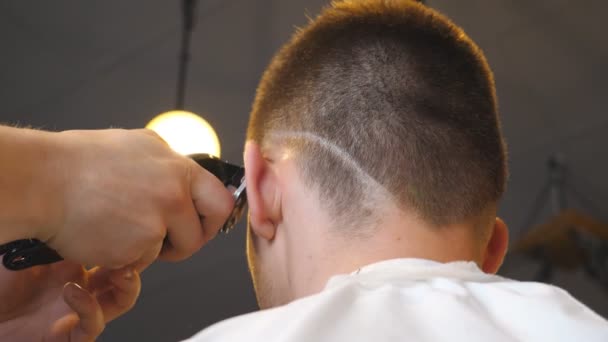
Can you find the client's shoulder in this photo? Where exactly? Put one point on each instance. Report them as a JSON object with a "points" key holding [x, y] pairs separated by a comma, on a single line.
{"points": [[263, 325]]}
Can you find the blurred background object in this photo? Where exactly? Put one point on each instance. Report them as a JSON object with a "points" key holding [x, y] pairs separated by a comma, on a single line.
{"points": [[186, 132], [570, 239], [96, 64]]}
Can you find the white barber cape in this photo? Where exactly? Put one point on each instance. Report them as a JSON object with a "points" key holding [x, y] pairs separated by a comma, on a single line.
{"points": [[420, 300]]}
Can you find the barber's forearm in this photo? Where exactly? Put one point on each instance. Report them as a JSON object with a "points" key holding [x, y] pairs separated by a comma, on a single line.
{"points": [[30, 183]]}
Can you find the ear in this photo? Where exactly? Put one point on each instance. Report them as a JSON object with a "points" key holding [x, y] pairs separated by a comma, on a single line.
{"points": [[496, 248], [263, 192]]}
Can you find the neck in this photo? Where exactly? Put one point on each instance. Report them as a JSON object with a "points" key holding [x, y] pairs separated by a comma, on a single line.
{"points": [[396, 237]]}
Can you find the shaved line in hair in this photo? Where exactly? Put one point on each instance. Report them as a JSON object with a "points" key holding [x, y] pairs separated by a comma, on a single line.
{"points": [[344, 156]]}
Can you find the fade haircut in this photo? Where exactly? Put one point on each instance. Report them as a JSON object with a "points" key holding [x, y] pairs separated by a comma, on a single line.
{"points": [[392, 90]]}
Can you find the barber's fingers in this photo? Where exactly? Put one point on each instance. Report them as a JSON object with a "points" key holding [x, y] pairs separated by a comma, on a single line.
{"points": [[147, 258], [86, 324], [184, 234], [116, 291], [197, 223], [212, 200], [126, 286], [99, 280]]}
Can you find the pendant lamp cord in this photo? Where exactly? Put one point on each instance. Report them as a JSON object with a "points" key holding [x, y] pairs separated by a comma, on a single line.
{"points": [[188, 22]]}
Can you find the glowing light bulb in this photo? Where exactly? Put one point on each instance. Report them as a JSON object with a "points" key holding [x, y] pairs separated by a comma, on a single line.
{"points": [[186, 132]]}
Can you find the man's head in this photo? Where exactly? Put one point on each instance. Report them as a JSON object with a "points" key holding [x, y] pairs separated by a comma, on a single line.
{"points": [[376, 115]]}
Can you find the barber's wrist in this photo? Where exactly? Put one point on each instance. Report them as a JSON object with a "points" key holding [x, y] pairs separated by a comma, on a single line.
{"points": [[48, 188]]}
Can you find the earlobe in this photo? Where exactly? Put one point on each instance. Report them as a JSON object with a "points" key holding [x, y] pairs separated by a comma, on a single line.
{"points": [[496, 247], [262, 190]]}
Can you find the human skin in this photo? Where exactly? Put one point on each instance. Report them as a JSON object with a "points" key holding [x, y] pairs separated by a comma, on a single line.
{"points": [[109, 198], [294, 247], [45, 304]]}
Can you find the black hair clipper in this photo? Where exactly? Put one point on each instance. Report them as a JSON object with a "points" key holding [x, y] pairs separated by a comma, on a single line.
{"points": [[22, 254]]}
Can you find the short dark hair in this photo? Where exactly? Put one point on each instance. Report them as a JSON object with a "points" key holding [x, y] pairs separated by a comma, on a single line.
{"points": [[404, 93]]}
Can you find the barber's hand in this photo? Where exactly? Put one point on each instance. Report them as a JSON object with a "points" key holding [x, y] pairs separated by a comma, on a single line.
{"points": [[44, 304], [123, 192]]}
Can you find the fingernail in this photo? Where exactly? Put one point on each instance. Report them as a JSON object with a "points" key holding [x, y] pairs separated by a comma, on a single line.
{"points": [[76, 291]]}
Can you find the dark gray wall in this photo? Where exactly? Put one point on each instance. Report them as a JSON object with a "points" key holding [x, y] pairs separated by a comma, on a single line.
{"points": [[94, 64]]}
